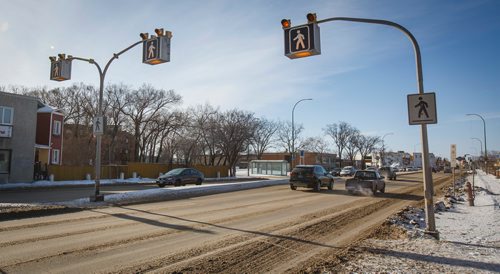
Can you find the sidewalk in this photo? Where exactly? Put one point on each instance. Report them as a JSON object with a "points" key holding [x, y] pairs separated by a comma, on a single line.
{"points": [[469, 237]]}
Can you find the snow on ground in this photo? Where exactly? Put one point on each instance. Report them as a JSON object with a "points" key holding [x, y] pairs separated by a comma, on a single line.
{"points": [[36, 184], [161, 194], [240, 173], [149, 195], [469, 237], [478, 224]]}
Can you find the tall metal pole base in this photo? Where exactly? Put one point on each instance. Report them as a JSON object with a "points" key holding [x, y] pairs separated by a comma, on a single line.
{"points": [[434, 234]]}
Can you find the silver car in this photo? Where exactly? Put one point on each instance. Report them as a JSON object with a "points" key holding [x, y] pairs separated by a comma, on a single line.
{"points": [[348, 171]]}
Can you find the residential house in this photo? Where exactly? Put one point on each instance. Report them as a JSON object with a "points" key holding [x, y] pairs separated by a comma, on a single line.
{"points": [[18, 118], [49, 136]]}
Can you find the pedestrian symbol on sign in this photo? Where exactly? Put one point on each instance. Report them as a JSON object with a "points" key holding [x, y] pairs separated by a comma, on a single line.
{"points": [[300, 40], [423, 107], [151, 50], [55, 71]]}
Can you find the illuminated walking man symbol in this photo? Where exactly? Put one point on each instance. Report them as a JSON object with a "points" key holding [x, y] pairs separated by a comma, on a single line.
{"points": [[55, 71], [97, 124], [300, 40], [423, 107], [151, 50]]}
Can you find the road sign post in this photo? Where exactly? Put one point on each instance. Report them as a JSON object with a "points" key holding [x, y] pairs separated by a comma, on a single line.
{"points": [[427, 173], [158, 55]]}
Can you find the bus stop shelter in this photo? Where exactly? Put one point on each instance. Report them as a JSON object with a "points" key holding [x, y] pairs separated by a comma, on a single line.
{"points": [[269, 167]]}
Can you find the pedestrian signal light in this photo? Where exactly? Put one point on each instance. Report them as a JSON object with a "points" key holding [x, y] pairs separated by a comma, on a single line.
{"points": [[286, 23], [159, 32], [156, 49], [302, 41], [60, 69], [311, 18]]}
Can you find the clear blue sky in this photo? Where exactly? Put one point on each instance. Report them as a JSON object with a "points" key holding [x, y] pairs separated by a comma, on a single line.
{"points": [[230, 54]]}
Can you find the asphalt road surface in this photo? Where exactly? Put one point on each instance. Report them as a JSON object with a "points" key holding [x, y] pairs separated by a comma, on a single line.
{"points": [[271, 229]]}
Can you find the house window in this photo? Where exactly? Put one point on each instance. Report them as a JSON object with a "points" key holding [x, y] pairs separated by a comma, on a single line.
{"points": [[6, 114], [4, 161], [55, 156], [56, 129]]}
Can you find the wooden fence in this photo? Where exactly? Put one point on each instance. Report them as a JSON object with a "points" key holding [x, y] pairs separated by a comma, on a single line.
{"points": [[144, 170]]}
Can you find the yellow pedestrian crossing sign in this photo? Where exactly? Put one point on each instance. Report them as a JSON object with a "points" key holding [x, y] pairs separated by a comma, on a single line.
{"points": [[422, 108], [302, 41]]}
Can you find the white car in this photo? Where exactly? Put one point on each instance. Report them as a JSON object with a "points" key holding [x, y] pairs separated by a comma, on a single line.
{"points": [[348, 171]]}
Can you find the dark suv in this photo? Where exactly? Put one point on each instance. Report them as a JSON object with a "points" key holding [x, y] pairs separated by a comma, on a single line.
{"points": [[311, 176]]}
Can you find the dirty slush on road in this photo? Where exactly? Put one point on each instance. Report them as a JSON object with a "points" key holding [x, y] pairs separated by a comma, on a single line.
{"points": [[315, 243], [325, 240]]}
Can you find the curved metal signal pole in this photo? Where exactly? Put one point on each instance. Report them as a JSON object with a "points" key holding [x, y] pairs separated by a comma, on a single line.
{"points": [[427, 174], [102, 75]]}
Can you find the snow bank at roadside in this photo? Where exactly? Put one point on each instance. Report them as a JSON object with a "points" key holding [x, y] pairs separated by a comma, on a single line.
{"points": [[469, 237], [161, 194], [75, 183]]}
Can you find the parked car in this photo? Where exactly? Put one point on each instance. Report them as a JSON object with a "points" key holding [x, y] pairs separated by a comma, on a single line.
{"points": [[180, 176], [365, 180], [447, 169], [372, 168], [348, 171], [310, 176], [411, 168], [335, 171], [388, 172]]}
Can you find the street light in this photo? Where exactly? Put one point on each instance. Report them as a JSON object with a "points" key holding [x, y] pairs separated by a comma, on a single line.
{"points": [[293, 130], [383, 147], [484, 132], [61, 70]]}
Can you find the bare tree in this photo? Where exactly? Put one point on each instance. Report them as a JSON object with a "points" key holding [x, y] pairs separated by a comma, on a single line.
{"points": [[317, 145], [204, 123], [366, 145], [234, 134], [340, 134], [263, 136], [284, 135], [116, 99], [142, 108], [351, 148]]}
